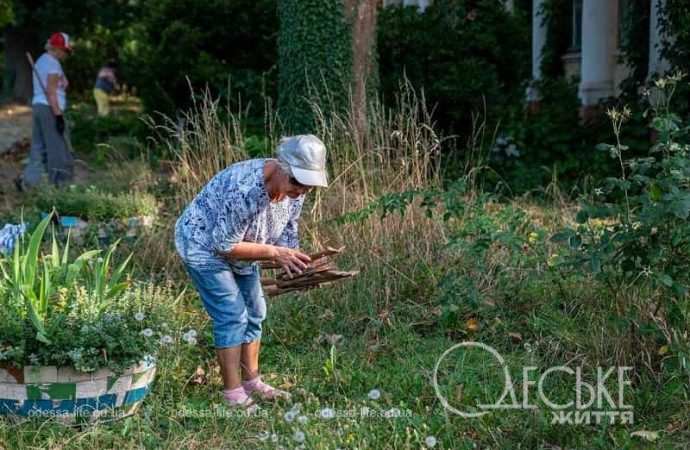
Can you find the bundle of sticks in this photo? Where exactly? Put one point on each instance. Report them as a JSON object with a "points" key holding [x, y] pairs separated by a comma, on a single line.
{"points": [[320, 272]]}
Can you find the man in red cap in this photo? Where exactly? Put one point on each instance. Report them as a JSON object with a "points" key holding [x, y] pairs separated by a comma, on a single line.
{"points": [[49, 149]]}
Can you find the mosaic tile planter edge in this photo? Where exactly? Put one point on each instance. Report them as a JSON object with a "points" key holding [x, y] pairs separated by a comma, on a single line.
{"points": [[71, 396]]}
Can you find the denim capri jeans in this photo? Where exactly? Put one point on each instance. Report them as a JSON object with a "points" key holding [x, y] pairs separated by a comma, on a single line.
{"points": [[235, 303]]}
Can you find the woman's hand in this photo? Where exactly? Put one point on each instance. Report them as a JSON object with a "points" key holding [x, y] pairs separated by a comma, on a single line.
{"points": [[292, 261]]}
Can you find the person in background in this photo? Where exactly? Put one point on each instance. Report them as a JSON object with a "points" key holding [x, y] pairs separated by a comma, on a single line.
{"points": [[49, 140], [106, 82]]}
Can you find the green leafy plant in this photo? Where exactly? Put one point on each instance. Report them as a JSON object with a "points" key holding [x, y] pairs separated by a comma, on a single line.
{"points": [[29, 280], [83, 311], [633, 231]]}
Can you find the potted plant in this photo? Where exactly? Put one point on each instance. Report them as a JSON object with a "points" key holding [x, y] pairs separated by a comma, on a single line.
{"points": [[78, 338]]}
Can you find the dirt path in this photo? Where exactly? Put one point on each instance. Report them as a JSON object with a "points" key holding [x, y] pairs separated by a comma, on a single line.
{"points": [[15, 124]]}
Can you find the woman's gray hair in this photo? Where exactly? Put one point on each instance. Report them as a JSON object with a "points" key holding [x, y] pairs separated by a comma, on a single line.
{"points": [[285, 167]]}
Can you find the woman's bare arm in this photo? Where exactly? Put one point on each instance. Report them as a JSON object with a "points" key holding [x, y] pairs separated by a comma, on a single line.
{"points": [[291, 260], [250, 251]]}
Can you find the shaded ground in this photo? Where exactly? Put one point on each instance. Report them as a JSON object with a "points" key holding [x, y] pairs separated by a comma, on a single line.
{"points": [[15, 124], [15, 140]]}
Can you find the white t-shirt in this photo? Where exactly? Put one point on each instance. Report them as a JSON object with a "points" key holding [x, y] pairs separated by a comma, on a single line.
{"points": [[46, 65]]}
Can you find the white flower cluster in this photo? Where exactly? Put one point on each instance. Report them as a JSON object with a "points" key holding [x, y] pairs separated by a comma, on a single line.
{"points": [[190, 337]]}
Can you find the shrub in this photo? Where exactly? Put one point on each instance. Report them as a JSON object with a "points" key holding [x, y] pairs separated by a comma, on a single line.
{"points": [[89, 133], [553, 138], [216, 44], [633, 231], [454, 52], [92, 203]]}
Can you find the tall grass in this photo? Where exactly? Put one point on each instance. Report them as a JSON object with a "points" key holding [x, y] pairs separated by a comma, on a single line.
{"points": [[398, 150]]}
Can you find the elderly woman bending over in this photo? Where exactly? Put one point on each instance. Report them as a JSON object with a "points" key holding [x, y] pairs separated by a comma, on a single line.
{"points": [[247, 213]]}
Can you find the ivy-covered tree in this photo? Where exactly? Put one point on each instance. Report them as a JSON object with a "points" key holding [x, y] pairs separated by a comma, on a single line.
{"points": [[315, 60]]}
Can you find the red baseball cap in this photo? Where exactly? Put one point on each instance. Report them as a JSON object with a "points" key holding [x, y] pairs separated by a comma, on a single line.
{"points": [[61, 41]]}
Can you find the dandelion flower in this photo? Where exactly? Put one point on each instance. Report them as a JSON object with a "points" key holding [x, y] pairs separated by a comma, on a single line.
{"points": [[148, 332], [192, 332], [298, 436], [165, 340], [290, 416], [327, 413], [264, 435], [430, 441], [139, 316], [189, 338], [296, 408], [374, 394], [302, 420]]}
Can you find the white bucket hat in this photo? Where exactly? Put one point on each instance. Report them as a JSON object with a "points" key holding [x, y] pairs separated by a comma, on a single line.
{"points": [[306, 156]]}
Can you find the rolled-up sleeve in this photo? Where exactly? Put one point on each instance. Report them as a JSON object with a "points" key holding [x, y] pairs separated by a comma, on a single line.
{"points": [[290, 237]]}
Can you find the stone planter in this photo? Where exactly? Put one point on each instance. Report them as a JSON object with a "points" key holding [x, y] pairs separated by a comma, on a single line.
{"points": [[71, 396]]}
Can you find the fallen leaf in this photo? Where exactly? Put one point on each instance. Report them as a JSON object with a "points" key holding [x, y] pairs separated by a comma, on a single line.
{"points": [[472, 324], [199, 376], [650, 436]]}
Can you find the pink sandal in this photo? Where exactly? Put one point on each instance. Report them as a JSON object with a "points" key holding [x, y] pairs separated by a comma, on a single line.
{"points": [[238, 398], [263, 390]]}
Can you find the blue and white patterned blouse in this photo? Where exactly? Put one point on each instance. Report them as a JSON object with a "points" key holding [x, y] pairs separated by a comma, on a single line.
{"points": [[234, 207]]}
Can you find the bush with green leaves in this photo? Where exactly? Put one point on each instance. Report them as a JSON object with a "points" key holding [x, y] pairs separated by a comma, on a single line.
{"points": [[123, 133], [217, 44], [83, 311], [455, 51], [633, 231], [94, 204]]}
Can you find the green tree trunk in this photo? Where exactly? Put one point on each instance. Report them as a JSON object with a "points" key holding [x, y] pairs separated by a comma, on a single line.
{"points": [[320, 63]]}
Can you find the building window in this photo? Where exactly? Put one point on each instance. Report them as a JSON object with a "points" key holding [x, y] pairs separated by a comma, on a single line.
{"points": [[576, 24], [625, 21]]}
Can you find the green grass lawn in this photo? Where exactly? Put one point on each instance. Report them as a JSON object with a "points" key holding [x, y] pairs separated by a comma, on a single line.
{"points": [[359, 357], [393, 353]]}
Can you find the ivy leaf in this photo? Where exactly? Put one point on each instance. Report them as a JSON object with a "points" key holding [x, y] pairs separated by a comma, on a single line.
{"points": [[666, 279], [582, 216], [680, 205], [655, 192], [596, 264]]}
